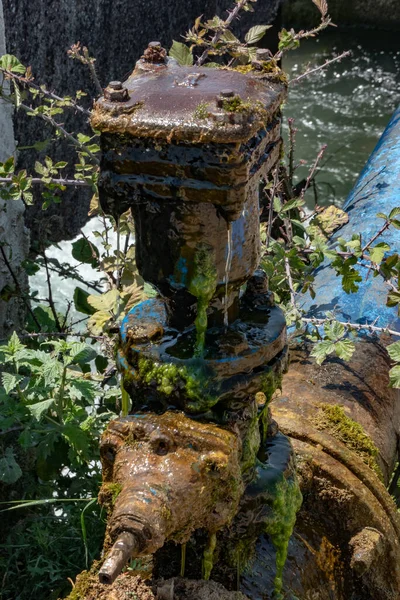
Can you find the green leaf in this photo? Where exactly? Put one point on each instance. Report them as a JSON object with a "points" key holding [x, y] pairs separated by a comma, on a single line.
{"points": [[378, 252], [39, 408], [344, 349], [321, 351], [10, 381], [394, 375], [293, 203], [81, 303], [105, 302], [76, 438], [394, 212], [98, 321], [393, 299], [334, 330], [256, 33], [82, 388], [101, 363], [12, 64], [10, 471], [85, 252], [82, 353], [394, 351], [181, 53]]}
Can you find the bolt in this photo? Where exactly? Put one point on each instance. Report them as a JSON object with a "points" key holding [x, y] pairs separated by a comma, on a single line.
{"points": [[224, 95], [155, 53], [263, 54], [116, 92], [115, 85], [227, 93]]}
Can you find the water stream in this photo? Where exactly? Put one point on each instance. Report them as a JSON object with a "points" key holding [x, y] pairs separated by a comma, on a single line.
{"points": [[227, 270], [346, 106]]}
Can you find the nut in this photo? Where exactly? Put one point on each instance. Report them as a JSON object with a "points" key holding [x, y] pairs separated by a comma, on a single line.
{"points": [[116, 92], [155, 53]]}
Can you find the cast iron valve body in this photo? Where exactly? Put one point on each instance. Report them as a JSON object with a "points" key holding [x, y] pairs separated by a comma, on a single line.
{"points": [[187, 158]]}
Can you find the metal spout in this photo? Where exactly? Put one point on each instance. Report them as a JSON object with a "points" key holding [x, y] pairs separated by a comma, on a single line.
{"points": [[126, 546]]}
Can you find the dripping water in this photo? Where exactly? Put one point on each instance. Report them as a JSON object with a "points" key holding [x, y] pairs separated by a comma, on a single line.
{"points": [[228, 265]]}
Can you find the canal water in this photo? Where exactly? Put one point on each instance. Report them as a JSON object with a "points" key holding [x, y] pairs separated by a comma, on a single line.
{"points": [[346, 106]]}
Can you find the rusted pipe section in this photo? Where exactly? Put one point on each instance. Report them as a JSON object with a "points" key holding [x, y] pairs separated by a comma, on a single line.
{"points": [[344, 420], [124, 549]]}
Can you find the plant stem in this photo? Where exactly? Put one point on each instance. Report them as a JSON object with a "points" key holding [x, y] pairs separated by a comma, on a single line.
{"points": [[316, 69], [14, 277], [233, 14], [50, 298], [356, 326], [26, 82], [38, 180]]}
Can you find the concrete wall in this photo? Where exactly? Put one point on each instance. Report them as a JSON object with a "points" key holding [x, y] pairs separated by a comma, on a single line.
{"points": [[377, 14], [12, 231]]}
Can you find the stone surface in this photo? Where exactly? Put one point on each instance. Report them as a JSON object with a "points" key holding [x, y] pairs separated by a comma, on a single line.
{"points": [[377, 14], [13, 234], [116, 33]]}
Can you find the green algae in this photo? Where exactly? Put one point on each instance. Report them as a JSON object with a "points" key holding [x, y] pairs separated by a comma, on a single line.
{"points": [[208, 556], [201, 111], [109, 493], [170, 377], [286, 504], [333, 419], [270, 382], [202, 285], [251, 445]]}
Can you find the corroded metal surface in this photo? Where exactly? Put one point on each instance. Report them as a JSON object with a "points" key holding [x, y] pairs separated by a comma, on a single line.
{"points": [[343, 495], [186, 153], [147, 114]]}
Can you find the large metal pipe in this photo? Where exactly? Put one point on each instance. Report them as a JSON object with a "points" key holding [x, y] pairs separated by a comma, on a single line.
{"points": [[343, 418]]}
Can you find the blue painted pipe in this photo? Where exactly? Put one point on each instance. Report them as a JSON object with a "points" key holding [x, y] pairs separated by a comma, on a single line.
{"points": [[377, 190]]}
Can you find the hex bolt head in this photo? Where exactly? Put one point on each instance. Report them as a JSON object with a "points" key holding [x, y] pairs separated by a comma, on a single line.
{"points": [[155, 53], [116, 92], [223, 96], [115, 85], [227, 93], [263, 54]]}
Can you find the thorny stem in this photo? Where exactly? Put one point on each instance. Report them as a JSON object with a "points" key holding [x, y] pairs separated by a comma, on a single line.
{"points": [[60, 399], [14, 277], [292, 137], [50, 298], [371, 241], [38, 180], [312, 170], [302, 35], [356, 326], [316, 69], [233, 14], [59, 128], [271, 207], [24, 81], [58, 334], [290, 280]]}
